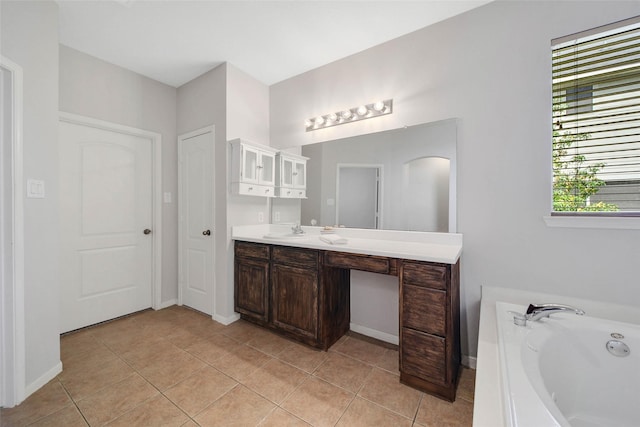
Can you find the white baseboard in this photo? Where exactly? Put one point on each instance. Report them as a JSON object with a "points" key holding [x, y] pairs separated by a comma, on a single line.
{"points": [[382, 336], [469, 361], [226, 320], [44, 378]]}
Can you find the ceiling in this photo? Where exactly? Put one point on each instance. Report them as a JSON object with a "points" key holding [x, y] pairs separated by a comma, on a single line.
{"points": [[174, 41]]}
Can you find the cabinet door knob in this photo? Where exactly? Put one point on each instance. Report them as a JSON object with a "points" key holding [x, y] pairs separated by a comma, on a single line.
{"points": [[206, 233], [147, 231]]}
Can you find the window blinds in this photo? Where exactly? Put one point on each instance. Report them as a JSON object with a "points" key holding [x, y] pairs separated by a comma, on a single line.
{"points": [[596, 121]]}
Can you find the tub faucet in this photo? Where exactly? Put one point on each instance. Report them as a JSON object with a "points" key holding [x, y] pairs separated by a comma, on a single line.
{"points": [[538, 311], [297, 229]]}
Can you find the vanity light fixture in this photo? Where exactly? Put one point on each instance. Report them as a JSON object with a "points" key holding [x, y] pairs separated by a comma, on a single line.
{"points": [[375, 109]]}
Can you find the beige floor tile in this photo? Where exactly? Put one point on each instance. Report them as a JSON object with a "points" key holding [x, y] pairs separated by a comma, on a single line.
{"points": [[104, 368], [318, 403], [213, 348], [183, 337], [113, 401], [275, 380], [67, 417], [239, 407], [80, 342], [112, 332], [170, 368], [344, 372], [199, 390], [467, 384], [49, 399], [362, 350], [145, 351], [436, 412], [390, 361], [242, 331], [242, 362], [281, 418], [270, 343], [78, 363], [303, 357], [157, 411], [81, 384], [384, 389], [362, 413]]}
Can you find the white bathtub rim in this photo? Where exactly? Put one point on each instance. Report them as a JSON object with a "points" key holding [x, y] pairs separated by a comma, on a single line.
{"points": [[524, 405], [488, 403]]}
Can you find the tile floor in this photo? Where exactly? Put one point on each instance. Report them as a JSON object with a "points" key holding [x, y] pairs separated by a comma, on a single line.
{"points": [[177, 367]]}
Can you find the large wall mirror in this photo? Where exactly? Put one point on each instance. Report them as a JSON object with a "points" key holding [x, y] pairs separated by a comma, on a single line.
{"points": [[401, 179]]}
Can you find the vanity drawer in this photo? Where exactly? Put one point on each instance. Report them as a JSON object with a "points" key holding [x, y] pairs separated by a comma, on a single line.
{"points": [[296, 256], [423, 356], [424, 309], [425, 274], [372, 263], [252, 250]]}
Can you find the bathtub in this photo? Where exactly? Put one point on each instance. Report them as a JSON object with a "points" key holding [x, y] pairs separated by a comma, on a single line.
{"points": [[568, 370]]}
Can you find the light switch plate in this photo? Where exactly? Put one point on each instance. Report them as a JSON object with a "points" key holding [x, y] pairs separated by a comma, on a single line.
{"points": [[35, 189]]}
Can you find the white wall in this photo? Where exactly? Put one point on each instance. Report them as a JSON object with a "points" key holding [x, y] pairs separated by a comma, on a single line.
{"points": [[202, 102], [95, 88], [29, 38], [237, 105], [491, 69]]}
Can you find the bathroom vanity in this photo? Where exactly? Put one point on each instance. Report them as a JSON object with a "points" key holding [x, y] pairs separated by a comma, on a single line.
{"points": [[299, 287]]}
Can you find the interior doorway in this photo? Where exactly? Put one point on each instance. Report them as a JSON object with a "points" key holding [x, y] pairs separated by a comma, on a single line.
{"points": [[12, 316], [359, 195], [196, 232], [110, 226]]}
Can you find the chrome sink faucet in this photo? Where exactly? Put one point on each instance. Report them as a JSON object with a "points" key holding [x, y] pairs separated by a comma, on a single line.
{"points": [[297, 229], [538, 311]]}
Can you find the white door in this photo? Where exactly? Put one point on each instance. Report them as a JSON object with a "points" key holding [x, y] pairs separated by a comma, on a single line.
{"points": [[106, 195], [196, 220]]}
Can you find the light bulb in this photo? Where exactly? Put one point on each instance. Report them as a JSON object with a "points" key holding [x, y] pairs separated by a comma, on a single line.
{"points": [[332, 117], [319, 121], [346, 114], [379, 106], [362, 110], [308, 123]]}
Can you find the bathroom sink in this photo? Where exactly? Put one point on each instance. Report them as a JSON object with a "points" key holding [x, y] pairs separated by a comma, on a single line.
{"points": [[284, 236]]}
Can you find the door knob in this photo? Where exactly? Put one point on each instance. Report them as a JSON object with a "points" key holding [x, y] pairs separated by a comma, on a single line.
{"points": [[147, 231], [206, 233]]}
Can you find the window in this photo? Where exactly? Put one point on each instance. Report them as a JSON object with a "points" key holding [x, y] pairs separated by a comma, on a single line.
{"points": [[596, 121]]}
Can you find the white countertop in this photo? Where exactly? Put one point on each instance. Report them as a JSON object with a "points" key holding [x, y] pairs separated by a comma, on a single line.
{"points": [[421, 246]]}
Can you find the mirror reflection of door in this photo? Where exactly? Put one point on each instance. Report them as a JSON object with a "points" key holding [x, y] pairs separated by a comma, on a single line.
{"points": [[358, 196], [425, 194]]}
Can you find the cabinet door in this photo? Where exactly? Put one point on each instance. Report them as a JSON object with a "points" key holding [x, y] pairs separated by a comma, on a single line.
{"points": [[286, 173], [423, 356], [294, 300], [299, 174], [250, 164], [267, 168], [252, 288]]}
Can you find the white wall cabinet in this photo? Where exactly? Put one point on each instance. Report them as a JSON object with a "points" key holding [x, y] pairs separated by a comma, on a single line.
{"points": [[291, 176], [253, 169]]}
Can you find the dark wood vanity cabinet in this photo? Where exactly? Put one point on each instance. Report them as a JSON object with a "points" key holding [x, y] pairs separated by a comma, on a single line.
{"points": [[304, 294], [288, 289], [430, 327], [294, 291], [251, 281]]}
